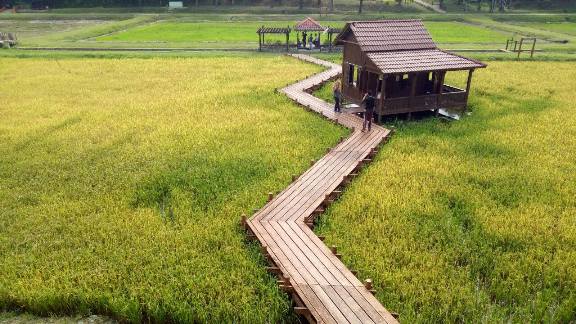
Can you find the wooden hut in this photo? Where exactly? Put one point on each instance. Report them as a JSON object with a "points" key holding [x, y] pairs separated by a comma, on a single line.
{"points": [[400, 64]]}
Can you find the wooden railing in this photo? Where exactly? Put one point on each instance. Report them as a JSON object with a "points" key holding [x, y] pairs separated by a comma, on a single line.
{"points": [[454, 99]]}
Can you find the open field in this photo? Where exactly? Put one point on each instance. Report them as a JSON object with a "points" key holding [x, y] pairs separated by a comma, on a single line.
{"points": [[473, 220], [245, 32], [122, 183], [559, 27], [201, 30]]}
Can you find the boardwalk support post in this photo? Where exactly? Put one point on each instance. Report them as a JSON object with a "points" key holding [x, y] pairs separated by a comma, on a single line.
{"points": [[334, 250], [368, 285], [304, 311], [274, 270], [270, 196]]}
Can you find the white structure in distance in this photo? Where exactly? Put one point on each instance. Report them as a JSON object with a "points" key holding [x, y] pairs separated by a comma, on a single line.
{"points": [[175, 4]]}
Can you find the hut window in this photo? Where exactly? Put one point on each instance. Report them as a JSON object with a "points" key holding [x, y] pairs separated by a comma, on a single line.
{"points": [[357, 77], [351, 70]]}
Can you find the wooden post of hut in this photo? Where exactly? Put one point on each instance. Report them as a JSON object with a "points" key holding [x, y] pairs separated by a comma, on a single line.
{"points": [[468, 83], [370, 55]]}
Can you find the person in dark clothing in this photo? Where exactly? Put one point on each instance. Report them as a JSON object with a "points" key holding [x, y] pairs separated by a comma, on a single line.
{"points": [[304, 39], [337, 92], [369, 103]]}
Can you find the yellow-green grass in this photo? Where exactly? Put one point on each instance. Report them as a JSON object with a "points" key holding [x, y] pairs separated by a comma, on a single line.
{"points": [[559, 27], [40, 27], [473, 221], [122, 183], [236, 32]]}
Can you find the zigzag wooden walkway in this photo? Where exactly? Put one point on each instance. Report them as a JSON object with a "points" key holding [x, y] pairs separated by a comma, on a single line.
{"points": [[325, 290]]}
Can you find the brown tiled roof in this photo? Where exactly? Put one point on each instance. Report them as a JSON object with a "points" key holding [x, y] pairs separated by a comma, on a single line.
{"points": [[421, 60], [309, 24], [389, 35]]}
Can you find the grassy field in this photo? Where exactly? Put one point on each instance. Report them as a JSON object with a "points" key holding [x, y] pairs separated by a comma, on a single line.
{"points": [[122, 183], [559, 27], [245, 32], [32, 28], [473, 221], [195, 30]]}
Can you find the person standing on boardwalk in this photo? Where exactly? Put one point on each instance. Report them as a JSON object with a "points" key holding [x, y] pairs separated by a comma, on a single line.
{"points": [[369, 102], [337, 92]]}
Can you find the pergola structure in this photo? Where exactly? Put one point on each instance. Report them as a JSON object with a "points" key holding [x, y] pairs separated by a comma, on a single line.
{"points": [[306, 27], [262, 31], [331, 32], [397, 61]]}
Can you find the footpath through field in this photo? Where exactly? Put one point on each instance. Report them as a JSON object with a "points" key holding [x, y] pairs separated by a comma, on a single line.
{"points": [[323, 288]]}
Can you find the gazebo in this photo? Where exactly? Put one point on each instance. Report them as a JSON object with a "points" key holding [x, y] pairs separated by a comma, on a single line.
{"points": [[399, 63], [307, 27]]}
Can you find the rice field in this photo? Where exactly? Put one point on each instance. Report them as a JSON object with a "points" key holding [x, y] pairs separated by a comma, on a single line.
{"points": [[122, 182], [473, 221], [559, 27], [236, 32]]}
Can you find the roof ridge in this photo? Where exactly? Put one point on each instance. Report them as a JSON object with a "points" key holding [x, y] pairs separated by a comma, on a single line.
{"points": [[382, 20]]}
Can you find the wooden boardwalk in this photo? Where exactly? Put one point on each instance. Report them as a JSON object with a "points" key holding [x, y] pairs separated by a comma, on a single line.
{"points": [[321, 285]]}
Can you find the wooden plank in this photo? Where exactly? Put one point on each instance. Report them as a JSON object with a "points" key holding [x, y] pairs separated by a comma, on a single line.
{"points": [[351, 315], [368, 297], [366, 306], [329, 304], [355, 305], [278, 256], [310, 251], [315, 305], [296, 256]]}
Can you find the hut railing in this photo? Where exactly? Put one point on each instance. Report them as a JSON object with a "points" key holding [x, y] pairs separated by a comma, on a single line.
{"points": [[455, 98]]}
